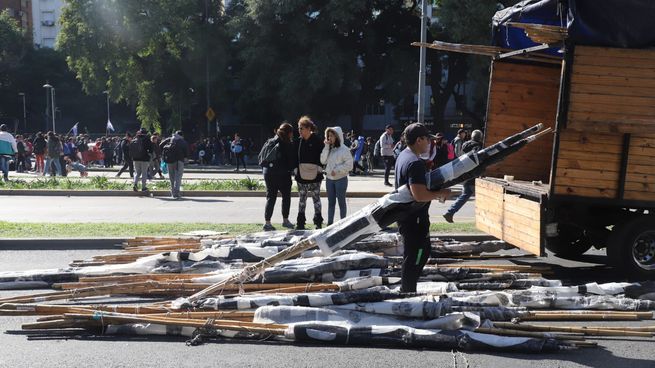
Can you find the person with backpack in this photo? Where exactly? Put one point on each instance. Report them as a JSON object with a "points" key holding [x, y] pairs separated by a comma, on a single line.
{"points": [[127, 159], [237, 148], [358, 154], [53, 153], [39, 153], [277, 161], [141, 153], [309, 173], [337, 160], [174, 151], [82, 149]]}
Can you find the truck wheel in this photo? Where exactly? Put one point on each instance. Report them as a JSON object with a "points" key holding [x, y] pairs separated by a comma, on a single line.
{"points": [[571, 242], [631, 248]]}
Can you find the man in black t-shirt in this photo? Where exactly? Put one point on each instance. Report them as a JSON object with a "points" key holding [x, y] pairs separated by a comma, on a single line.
{"points": [[415, 229]]}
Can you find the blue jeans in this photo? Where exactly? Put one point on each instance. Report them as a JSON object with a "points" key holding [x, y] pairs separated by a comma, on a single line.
{"points": [[336, 190], [469, 190], [175, 172], [54, 161], [4, 165]]}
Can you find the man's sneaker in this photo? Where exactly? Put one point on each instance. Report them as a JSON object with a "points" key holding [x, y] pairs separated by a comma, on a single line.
{"points": [[388, 184], [134, 188], [288, 224], [448, 217], [144, 189], [268, 227]]}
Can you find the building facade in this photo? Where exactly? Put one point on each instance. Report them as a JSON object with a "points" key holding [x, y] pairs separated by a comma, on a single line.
{"points": [[45, 20]]}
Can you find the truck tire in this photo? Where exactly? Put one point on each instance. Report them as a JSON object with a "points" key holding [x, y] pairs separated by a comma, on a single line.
{"points": [[571, 242], [631, 248]]}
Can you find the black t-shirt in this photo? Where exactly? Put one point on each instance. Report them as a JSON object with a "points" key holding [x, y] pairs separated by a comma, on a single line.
{"points": [[410, 169]]}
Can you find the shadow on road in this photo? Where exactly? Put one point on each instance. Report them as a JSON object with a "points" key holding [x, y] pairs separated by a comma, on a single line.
{"points": [[589, 357], [191, 199]]}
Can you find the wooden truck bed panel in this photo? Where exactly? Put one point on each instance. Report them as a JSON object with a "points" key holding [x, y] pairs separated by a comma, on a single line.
{"points": [[508, 216], [588, 164], [612, 90], [640, 171], [520, 96]]}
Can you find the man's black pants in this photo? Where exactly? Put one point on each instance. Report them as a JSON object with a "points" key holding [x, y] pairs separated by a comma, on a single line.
{"points": [[388, 166], [415, 231]]}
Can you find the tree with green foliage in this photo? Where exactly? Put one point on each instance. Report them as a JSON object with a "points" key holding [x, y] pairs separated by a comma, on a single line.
{"points": [[150, 54], [12, 50], [325, 58], [468, 22]]}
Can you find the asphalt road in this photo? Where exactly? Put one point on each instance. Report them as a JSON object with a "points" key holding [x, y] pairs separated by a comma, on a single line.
{"points": [[108, 352], [231, 210]]}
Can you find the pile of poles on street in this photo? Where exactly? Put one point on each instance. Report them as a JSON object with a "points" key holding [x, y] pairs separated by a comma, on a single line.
{"points": [[470, 297]]}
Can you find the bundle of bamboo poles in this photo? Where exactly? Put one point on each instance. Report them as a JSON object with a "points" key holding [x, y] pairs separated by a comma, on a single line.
{"points": [[647, 331], [542, 33], [170, 289], [159, 241], [87, 319], [584, 315]]}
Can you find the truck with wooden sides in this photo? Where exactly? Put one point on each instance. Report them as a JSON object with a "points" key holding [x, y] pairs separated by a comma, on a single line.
{"points": [[592, 184]]}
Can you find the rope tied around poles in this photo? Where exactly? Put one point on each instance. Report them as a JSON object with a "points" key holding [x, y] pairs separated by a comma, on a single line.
{"points": [[200, 333]]}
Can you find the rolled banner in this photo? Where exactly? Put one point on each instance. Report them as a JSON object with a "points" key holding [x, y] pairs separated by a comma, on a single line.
{"points": [[472, 164]]}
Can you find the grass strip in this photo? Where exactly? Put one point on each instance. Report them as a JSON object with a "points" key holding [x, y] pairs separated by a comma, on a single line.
{"points": [[103, 183], [92, 230]]}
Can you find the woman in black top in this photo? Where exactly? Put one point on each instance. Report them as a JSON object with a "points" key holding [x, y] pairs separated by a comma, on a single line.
{"points": [[309, 173], [277, 176]]}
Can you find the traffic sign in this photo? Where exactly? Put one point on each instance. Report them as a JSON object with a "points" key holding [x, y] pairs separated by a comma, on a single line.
{"points": [[210, 114]]}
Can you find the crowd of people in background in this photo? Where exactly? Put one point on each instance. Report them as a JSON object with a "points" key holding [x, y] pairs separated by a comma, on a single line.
{"points": [[142, 155], [308, 159]]}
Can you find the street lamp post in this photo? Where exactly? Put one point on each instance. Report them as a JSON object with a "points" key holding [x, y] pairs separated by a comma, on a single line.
{"points": [[52, 104], [421, 73], [107, 93], [22, 94]]}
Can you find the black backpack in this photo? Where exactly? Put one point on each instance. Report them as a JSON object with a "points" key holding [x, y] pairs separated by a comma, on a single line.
{"points": [[270, 152], [138, 149], [169, 152]]}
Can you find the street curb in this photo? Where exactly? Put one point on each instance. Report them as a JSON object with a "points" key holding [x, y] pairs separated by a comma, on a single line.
{"points": [[113, 243], [60, 244], [166, 193]]}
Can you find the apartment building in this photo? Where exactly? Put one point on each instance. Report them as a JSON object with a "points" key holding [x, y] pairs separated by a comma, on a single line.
{"points": [[45, 18]]}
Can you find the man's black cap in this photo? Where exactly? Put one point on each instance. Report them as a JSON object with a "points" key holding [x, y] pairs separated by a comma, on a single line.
{"points": [[414, 131]]}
